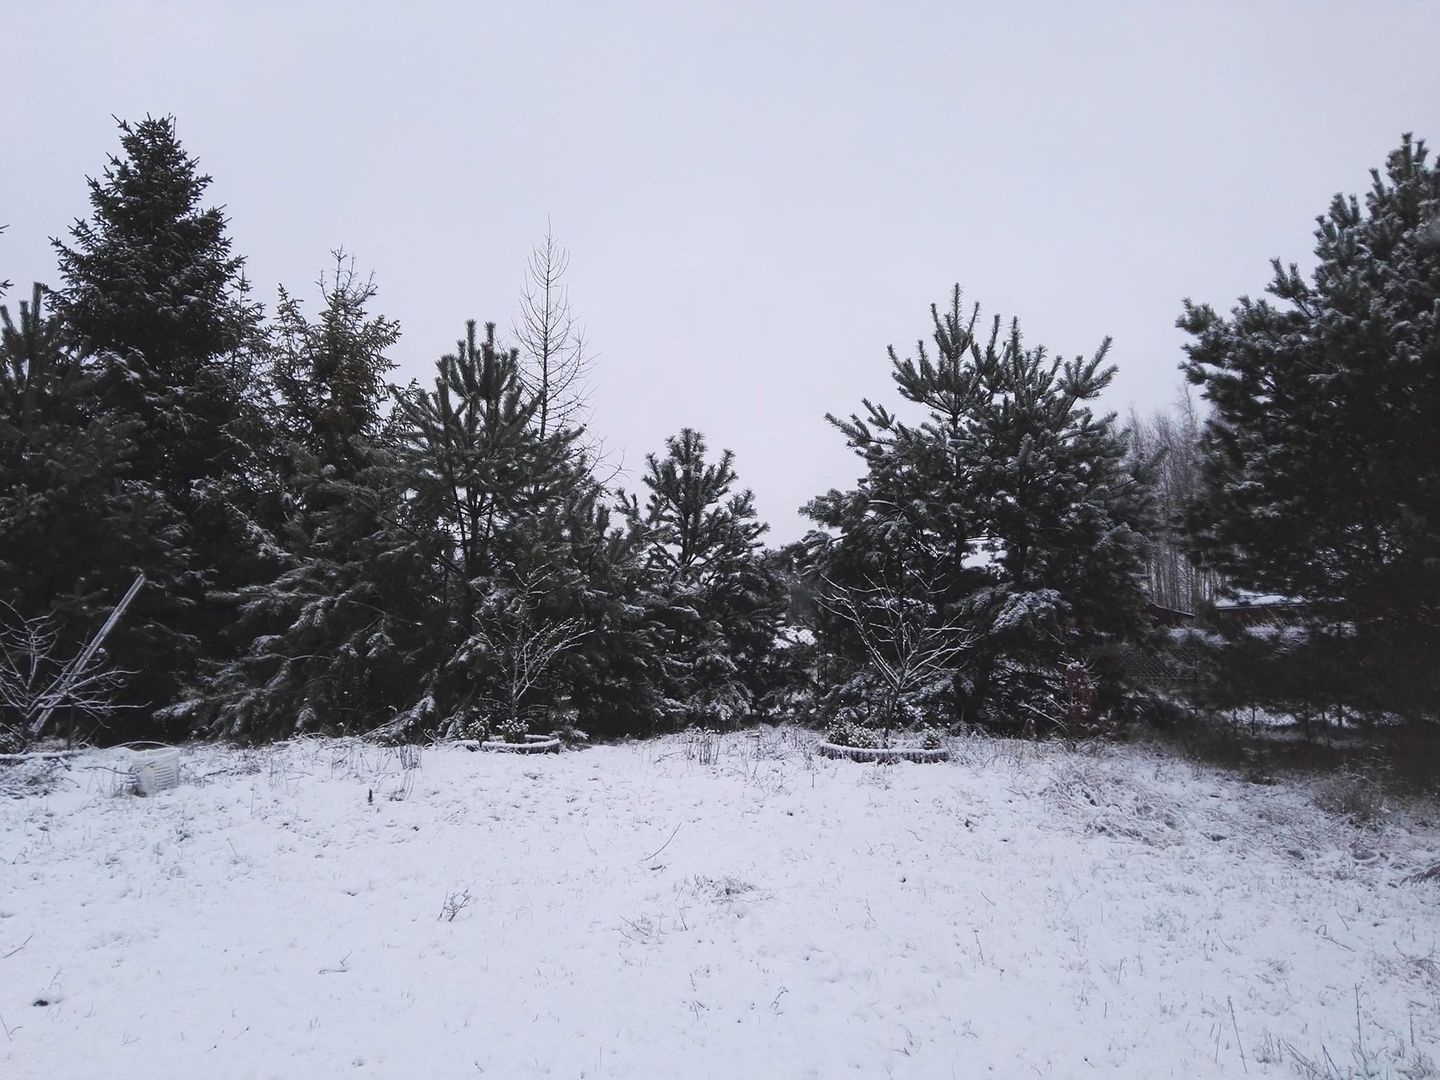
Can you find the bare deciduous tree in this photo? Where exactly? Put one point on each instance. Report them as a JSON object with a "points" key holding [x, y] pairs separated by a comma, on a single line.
{"points": [[905, 645], [1172, 438], [35, 680], [524, 644], [551, 340]]}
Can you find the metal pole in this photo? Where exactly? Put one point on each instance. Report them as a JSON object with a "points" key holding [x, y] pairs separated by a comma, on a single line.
{"points": [[56, 694]]}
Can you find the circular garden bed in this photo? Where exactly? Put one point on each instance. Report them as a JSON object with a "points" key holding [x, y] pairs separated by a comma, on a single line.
{"points": [[884, 753], [533, 744]]}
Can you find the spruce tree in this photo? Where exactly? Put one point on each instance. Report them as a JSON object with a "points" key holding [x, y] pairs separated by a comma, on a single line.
{"points": [[76, 524], [329, 375], [155, 298], [1009, 508], [151, 279], [346, 635], [1321, 467], [337, 636]]}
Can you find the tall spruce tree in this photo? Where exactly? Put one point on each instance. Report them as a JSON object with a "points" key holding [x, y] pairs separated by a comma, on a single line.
{"points": [[337, 636], [154, 296], [350, 626], [76, 525], [1008, 508], [1321, 466], [151, 280], [717, 602]]}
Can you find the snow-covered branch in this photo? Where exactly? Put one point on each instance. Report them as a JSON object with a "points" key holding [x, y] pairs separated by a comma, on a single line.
{"points": [[35, 680], [905, 643], [524, 644]]}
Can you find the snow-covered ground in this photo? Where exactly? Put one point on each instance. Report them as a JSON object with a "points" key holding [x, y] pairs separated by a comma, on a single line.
{"points": [[730, 908]]}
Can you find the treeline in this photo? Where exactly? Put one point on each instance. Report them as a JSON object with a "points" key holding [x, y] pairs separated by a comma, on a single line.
{"points": [[325, 551]]}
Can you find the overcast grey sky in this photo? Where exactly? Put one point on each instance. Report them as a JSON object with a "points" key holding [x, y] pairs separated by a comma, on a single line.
{"points": [[758, 198]]}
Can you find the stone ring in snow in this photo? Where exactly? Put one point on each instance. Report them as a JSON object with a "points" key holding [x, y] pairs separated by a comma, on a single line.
{"points": [[884, 753], [533, 744]]}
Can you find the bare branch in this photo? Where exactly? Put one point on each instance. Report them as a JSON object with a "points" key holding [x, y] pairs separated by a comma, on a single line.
{"points": [[905, 644], [525, 646], [35, 680]]}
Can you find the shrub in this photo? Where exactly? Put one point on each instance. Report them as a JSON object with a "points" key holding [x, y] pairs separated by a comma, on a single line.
{"points": [[702, 745], [846, 732], [1352, 795], [512, 731], [931, 739], [474, 726]]}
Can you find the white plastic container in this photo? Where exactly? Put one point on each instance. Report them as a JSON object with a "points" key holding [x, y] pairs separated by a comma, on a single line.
{"points": [[155, 770]]}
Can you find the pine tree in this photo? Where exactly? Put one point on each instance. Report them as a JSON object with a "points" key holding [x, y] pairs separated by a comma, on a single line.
{"points": [[154, 296], [1322, 473], [717, 603], [1009, 507], [475, 464], [479, 464], [614, 678]]}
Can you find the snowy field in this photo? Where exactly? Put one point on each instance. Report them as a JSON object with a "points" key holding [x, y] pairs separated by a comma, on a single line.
{"points": [[707, 908]]}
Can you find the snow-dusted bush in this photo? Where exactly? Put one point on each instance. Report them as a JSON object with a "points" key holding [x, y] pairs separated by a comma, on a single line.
{"points": [[472, 726], [512, 731], [567, 732], [844, 731], [38, 676], [931, 739]]}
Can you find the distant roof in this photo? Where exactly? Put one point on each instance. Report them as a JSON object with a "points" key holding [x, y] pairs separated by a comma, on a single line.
{"points": [[1161, 609], [1245, 599]]}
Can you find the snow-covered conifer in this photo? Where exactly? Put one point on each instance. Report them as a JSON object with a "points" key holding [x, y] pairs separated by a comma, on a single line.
{"points": [[1006, 505], [76, 525], [1322, 467], [155, 299], [340, 633], [716, 602]]}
